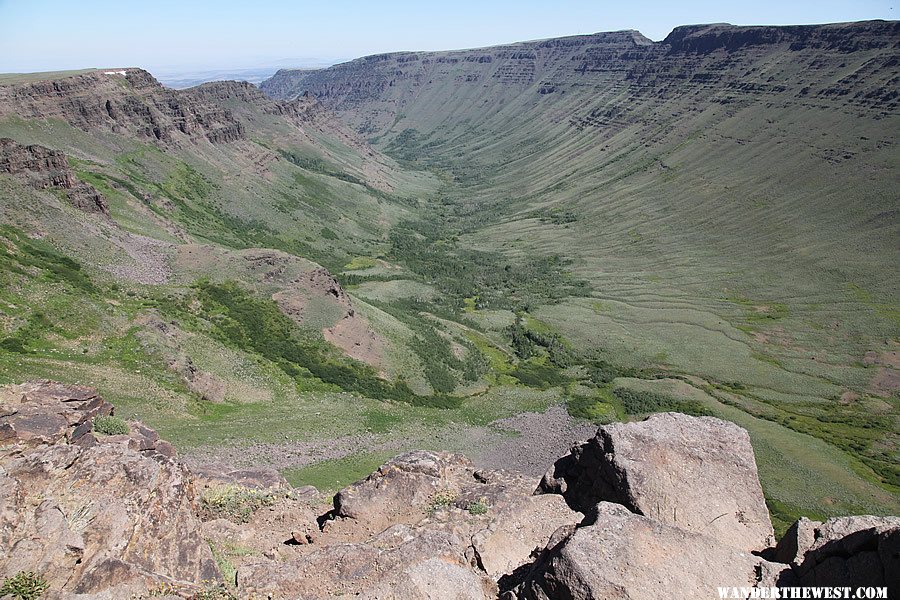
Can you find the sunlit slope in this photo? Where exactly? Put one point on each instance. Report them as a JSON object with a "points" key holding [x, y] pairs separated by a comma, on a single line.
{"points": [[725, 170], [215, 192], [730, 193]]}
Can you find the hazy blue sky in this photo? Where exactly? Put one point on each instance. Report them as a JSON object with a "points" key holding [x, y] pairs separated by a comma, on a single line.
{"points": [[167, 34]]}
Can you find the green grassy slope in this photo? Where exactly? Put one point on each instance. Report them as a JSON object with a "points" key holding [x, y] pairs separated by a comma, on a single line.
{"points": [[205, 232], [728, 195]]}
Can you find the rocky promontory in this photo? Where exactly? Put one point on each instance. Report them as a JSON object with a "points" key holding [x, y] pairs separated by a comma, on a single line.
{"points": [[44, 168], [670, 507]]}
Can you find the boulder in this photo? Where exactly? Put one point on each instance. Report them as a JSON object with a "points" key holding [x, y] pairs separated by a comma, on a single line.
{"points": [[622, 555], [518, 532], [112, 517], [695, 473], [400, 489], [797, 540]]}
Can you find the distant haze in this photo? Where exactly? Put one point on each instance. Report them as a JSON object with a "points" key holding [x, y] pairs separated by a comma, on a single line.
{"points": [[185, 39], [186, 77]]}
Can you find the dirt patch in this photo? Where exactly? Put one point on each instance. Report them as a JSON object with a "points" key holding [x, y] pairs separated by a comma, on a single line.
{"points": [[885, 359], [886, 382], [353, 335]]}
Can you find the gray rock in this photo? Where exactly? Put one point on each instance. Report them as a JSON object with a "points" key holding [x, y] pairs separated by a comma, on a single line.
{"points": [[114, 517], [406, 483], [520, 530], [627, 556], [399, 563], [695, 473], [797, 540], [852, 551]]}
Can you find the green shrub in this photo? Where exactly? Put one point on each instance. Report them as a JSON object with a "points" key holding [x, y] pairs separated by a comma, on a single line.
{"points": [[38, 255], [234, 502], [214, 592], [478, 508], [258, 325], [441, 501], [591, 408], [539, 376], [111, 425], [641, 402], [24, 585]]}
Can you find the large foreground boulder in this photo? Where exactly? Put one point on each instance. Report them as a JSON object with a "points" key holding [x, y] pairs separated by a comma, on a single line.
{"points": [[627, 556], [695, 473], [108, 515]]}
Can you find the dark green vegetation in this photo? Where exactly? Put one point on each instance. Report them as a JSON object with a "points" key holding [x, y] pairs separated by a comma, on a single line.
{"points": [[614, 225], [24, 585], [257, 325], [111, 425]]}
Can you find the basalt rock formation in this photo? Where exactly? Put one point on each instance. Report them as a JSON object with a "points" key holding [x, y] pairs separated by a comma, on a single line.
{"points": [[106, 515], [43, 168], [132, 102], [718, 63], [118, 515], [128, 102], [694, 473]]}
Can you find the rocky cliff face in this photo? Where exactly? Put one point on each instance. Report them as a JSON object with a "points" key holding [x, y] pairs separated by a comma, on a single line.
{"points": [[712, 63], [44, 168], [133, 103], [93, 514], [117, 515]]}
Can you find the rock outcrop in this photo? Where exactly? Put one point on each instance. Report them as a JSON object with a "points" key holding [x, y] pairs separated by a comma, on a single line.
{"points": [[350, 332], [107, 515], [43, 168], [132, 102], [113, 516], [694, 473], [853, 551], [715, 64], [129, 102], [621, 555]]}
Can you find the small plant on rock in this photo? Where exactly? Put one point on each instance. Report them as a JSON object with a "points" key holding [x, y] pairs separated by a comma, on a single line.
{"points": [[214, 591], [24, 585], [111, 425], [441, 501], [478, 508], [234, 502]]}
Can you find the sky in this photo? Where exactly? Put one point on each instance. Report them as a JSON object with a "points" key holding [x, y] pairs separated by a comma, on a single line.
{"points": [[167, 35]]}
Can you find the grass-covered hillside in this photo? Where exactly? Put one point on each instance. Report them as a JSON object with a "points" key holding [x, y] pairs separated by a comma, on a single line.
{"points": [[726, 200], [428, 245]]}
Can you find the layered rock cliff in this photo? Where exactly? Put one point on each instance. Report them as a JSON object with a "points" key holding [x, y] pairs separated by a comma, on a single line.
{"points": [[43, 168], [114, 514], [855, 63], [129, 102], [132, 102]]}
